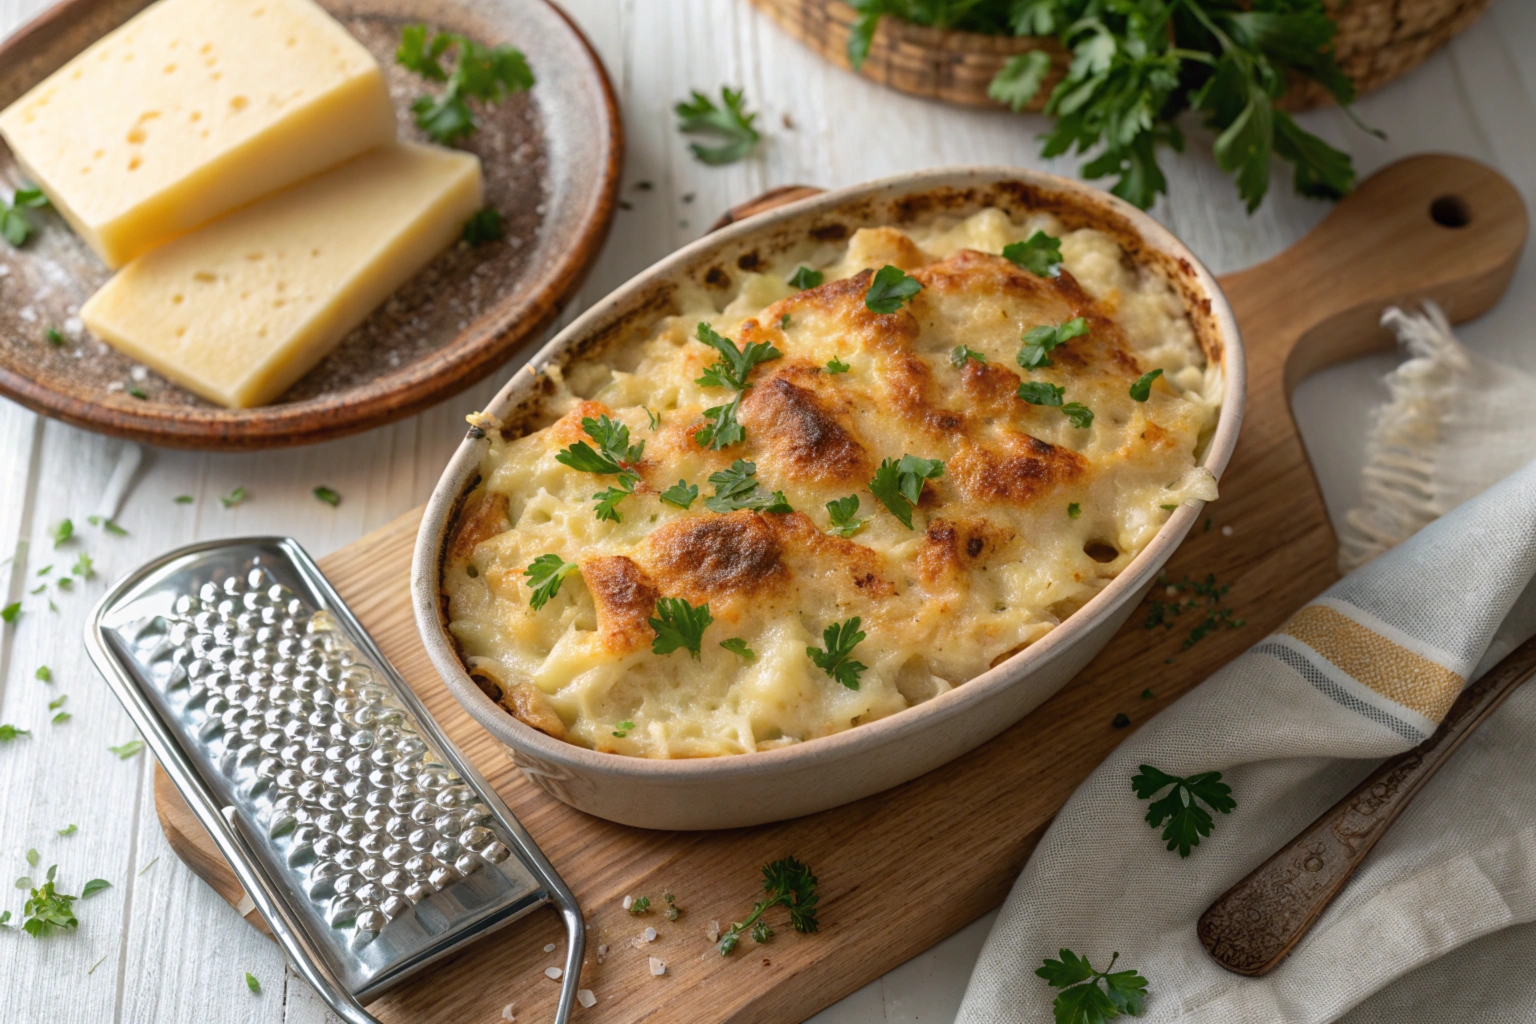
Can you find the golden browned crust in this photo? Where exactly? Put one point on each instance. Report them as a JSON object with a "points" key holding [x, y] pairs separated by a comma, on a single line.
{"points": [[811, 553], [483, 517], [624, 598], [950, 548], [804, 427], [1020, 472], [715, 556], [529, 705]]}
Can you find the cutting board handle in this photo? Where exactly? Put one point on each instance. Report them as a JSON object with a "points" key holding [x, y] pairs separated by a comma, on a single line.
{"points": [[1428, 227]]}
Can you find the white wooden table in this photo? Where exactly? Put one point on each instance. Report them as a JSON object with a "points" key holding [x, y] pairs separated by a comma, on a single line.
{"points": [[166, 950]]}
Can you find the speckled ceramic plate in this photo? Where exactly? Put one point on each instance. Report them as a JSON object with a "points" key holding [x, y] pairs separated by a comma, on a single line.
{"points": [[551, 158]]}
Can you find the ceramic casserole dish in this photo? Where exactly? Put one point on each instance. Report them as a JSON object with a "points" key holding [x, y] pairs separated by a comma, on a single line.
{"points": [[814, 774]]}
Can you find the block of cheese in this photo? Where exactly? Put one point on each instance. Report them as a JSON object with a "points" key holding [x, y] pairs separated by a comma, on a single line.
{"points": [[191, 109], [239, 310]]}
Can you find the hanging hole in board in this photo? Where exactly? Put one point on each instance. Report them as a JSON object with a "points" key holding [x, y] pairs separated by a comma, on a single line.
{"points": [[1450, 212]]}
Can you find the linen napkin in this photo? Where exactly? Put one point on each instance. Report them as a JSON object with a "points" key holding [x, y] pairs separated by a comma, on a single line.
{"points": [[1439, 923]]}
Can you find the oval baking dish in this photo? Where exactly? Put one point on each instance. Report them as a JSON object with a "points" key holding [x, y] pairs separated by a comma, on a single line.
{"points": [[769, 785]]}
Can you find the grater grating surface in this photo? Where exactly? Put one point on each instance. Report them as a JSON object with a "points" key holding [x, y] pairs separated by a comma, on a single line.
{"points": [[344, 809]]}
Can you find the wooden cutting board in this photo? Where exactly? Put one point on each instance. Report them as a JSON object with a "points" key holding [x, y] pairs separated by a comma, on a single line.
{"points": [[902, 870]]}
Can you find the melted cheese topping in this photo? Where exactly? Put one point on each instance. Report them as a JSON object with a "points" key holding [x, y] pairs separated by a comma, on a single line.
{"points": [[994, 561]]}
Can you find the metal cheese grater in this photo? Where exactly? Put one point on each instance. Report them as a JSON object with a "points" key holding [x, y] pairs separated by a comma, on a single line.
{"points": [[364, 838]]}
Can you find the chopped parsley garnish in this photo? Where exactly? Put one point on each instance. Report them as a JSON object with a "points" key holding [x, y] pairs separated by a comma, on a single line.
{"points": [[93, 887], [545, 574], [1080, 415], [134, 391], [621, 730], [836, 365], [251, 982], [729, 371], [679, 624], [485, 225], [61, 532], [10, 732], [483, 73], [889, 290], [653, 418], [616, 455], [784, 322], [1039, 392], [58, 702], [729, 125], [1169, 508], [128, 749], [735, 488], [639, 905], [1081, 999], [84, 567], [1038, 341], [15, 225], [111, 526], [680, 494], [1206, 603], [47, 910], [233, 498], [328, 496], [1120, 721], [1040, 254], [1074, 510], [54, 337], [842, 512], [788, 883], [805, 278], [964, 352], [837, 659], [44, 673], [69, 830], [1147, 694], [11, 612], [1186, 819], [183, 499], [737, 646], [1142, 389], [899, 485]]}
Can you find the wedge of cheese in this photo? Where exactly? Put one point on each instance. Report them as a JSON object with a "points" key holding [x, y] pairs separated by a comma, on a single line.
{"points": [[191, 109], [239, 310]]}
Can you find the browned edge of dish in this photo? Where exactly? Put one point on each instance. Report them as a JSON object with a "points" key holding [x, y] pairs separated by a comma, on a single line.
{"points": [[439, 375], [710, 262]]}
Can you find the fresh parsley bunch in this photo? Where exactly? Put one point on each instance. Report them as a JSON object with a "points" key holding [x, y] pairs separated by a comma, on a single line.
{"points": [[1181, 808], [1082, 1000], [1138, 64], [729, 124], [788, 883], [485, 73]]}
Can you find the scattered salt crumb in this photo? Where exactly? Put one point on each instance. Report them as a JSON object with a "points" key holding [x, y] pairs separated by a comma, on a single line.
{"points": [[116, 385], [602, 950], [5, 271], [1170, 590], [139, 373], [713, 931], [657, 968], [629, 901], [585, 997], [650, 934], [74, 326], [29, 314], [506, 1011], [549, 948], [1226, 531], [553, 973]]}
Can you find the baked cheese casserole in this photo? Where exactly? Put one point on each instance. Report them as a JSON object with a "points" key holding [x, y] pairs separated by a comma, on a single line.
{"points": [[882, 468]]}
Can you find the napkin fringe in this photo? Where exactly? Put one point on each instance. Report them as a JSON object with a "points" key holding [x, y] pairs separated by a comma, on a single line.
{"points": [[1399, 475]]}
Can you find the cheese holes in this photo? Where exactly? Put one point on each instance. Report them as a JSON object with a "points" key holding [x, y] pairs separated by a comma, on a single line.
{"points": [[1100, 551]]}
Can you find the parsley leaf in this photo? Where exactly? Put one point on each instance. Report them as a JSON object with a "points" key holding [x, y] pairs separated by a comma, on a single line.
{"points": [[836, 365], [615, 457], [680, 494], [111, 525], [889, 290], [729, 124], [964, 352], [653, 418], [328, 496], [233, 498], [1142, 389], [484, 225], [1074, 510], [1040, 340], [607, 508], [735, 488], [1080, 415], [11, 612], [128, 749], [621, 730], [10, 732], [93, 887], [805, 277], [735, 364], [545, 574], [15, 225], [1040, 254], [836, 660], [899, 485], [737, 646], [69, 830], [1019, 82], [679, 624], [54, 337], [485, 73], [61, 532], [788, 883], [84, 567], [48, 910], [842, 512], [1037, 392], [251, 983], [722, 429], [44, 673], [1082, 1000], [1186, 819]]}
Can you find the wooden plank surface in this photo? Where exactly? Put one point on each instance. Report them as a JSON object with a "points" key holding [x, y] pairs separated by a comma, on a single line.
{"points": [[174, 952], [956, 837]]}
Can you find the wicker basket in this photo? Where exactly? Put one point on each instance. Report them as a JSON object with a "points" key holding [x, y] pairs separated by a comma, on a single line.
{"points": [[1377, 41]]}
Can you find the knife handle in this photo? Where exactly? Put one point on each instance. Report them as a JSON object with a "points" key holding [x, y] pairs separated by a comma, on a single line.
{"points": [[1252, 927]]}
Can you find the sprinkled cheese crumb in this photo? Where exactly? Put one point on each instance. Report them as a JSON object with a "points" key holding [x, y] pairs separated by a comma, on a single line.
{"points": [[602, 950], [553, 973], [484, 420], [550, 948], [657, 968], [585, 997], [712, 933], [629, 901], [506, 1011]]}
